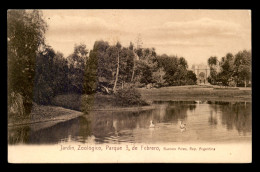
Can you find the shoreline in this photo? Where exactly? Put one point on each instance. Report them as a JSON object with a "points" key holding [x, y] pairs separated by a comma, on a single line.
{"points": [[51, 115], [72, 114]]}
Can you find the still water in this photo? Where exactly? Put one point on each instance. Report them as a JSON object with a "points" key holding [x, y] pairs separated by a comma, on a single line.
{"points": [[205, 122]]}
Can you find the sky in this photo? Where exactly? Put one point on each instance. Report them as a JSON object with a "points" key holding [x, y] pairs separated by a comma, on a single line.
{"points": [[193, 34]]}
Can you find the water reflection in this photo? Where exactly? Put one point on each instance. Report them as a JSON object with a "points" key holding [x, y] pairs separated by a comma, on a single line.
{"points": [[206, 121], [235, 115]]}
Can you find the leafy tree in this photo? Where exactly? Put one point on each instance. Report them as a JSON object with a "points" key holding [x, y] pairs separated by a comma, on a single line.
{"points": [[213, 64], [158, 76], [97, 73], [44, 76], [191, 78], [60, 70], [212, 61], [227, 68], [175, 69], [118, 46], [25, 37], [77, 61], [242, 67], [126, 65], [146, 65]]}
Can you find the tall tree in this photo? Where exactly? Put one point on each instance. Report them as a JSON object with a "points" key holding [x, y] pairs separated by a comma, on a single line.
{"points": [[99, 69], [44, 76], [25, 37], [227, 69], [77, 61], [118, 46], [242, 67]]}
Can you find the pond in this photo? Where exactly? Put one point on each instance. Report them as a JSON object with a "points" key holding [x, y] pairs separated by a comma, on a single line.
{"points": [[215, 122]]}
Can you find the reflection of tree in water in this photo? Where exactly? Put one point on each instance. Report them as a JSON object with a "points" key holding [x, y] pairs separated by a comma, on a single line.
{"points": [[19, 135], [213, 119], [54, 134], [178, 111], [236, 115], [111, 122]]}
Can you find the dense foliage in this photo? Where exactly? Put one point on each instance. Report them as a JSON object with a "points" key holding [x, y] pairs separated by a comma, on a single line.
{"points": [[36, 72], [231, 70], [25, 38], [129, 96]]}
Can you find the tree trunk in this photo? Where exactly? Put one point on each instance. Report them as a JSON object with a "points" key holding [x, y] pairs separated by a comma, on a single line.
{"points": [[117, 72], [133, 73], [245, 83]]}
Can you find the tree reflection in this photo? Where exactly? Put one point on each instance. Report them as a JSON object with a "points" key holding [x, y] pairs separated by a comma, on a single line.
{"points": [[212, 119], [102, 125], [19, 135], [177, 111], [235, 115], [54, 134]]}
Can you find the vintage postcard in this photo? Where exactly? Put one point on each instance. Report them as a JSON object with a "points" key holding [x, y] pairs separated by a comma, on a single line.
{"points": [[129, 86]]}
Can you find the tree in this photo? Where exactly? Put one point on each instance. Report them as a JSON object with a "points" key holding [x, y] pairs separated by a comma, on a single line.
{"points": [[191, 78], [99, 67], [25, 37], [212, 61], [137, 53], [118, 46], [227, 69], [77, 61], [242, 67], [146, 65], [158, 76], [61, 71], [44, 76], [213, 64], [126, 66], [175, 69]]}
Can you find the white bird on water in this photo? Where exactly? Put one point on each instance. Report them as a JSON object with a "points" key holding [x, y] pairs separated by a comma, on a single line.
{"points": [[182, 127], [151, 124]]}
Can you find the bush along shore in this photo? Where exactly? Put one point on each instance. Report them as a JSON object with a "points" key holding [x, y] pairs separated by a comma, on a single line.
{"points": [[69, 106]]}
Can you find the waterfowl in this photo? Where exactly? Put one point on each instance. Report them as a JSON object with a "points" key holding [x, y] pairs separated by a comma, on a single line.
{"points": [[182, 126], [198, 102], [151, 124]]}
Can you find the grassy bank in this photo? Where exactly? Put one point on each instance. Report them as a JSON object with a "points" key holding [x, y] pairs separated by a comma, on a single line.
{"points": [[97, 101], [42, 113], [188, 93]]}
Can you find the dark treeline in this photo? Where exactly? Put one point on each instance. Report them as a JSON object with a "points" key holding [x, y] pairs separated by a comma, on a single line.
{"points": [[37, 73], [231, 70], [107, 68]]}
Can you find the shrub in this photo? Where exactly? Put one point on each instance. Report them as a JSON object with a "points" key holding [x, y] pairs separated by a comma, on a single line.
{"points": [[15, 106], [129, 96], [70, 101]]}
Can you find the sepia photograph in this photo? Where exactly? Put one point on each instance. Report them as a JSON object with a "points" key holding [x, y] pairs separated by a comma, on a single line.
{"points": [[129, 86]]}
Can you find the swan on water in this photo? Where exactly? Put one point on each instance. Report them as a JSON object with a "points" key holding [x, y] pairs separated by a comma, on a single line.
{"points": [[151, 124], [182, 126]]}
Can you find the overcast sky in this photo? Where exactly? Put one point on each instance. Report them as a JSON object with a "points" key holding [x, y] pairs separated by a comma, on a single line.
{"points": [[193, 34]]}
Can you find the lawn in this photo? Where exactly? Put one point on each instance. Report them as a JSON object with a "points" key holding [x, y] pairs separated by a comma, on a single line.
{"points": [[183, 93]]}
